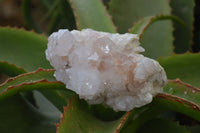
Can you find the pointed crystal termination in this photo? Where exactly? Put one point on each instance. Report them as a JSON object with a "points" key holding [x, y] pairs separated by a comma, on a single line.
{"points": [[105, 68]]}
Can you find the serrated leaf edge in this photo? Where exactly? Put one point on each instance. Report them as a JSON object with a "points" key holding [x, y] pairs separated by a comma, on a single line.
{"points": [[180, 100], [185, 84], [25, 74], [123, 121], [118, 129], [24, 84], [62, 116], [153, 19], [20, 68], [23, 29], [178, 54]]}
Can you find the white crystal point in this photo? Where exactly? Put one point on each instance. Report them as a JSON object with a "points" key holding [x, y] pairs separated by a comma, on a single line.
{"points": [[105, 68]]}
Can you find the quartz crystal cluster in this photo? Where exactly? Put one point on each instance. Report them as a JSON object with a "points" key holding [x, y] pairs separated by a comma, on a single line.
{"points": [[105, 68]]}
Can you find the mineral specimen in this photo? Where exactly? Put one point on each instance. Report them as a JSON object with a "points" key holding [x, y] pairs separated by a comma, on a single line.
{"points": [[105, 68]]}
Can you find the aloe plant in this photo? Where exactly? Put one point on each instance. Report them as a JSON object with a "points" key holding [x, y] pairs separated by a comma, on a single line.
{"points": [[31, 100]]}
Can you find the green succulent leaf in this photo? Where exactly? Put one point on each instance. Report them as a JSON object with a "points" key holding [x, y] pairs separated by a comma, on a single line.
{"points": [[139, 116], [48, 16], [19, 116], [142, 25], [184, 9], [183, 90], [26, 7], [14, 85], [162, 126], [125, 13], [158, 38], [10, 69], [183, 66], [177, 96], [105, 114], [41, 80], [181, 97], [78, 119], [24, 49], [92, 14]]}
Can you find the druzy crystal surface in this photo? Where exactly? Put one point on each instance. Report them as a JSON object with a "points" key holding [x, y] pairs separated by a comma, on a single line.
{"points": [[105, 68]]}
